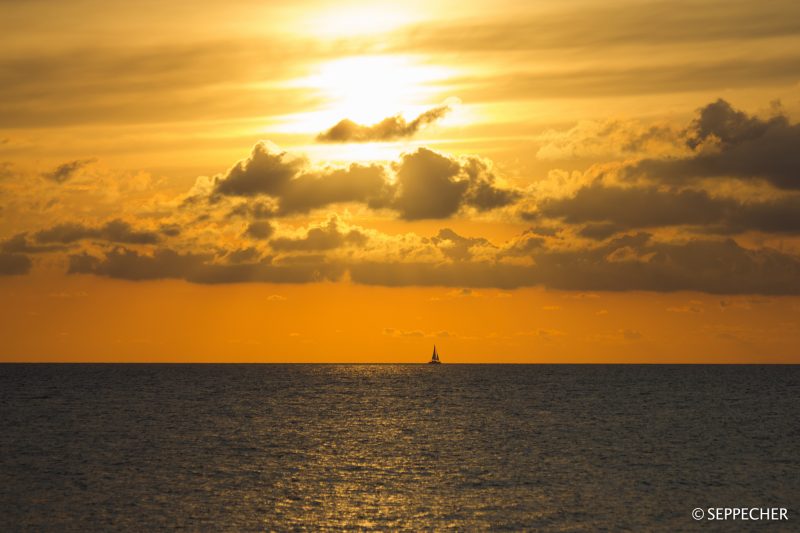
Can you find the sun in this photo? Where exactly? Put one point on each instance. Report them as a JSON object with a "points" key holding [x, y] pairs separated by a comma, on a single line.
{"points": [[367, 89]]}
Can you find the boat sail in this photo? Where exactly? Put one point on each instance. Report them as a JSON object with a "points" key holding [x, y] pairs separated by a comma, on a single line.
{"points": [[435, 357]]}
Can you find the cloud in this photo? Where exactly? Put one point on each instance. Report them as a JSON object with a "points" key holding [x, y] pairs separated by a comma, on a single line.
{"points": [[267, 171], [629, 263], [298, 188], [322, 238], [631, 334], [524, 245], [138, 83], [609, 209], [455, 246], [432, 185], [388, 129], [14, 264], [426, 184], [482, 193], [66, 171], [250, 254], [618, 138], [599, 231], [260, 229], [624, 264], [163, 263], [393, 332], [116, 230], [693, 306], [19, 243], [233, 229], [366, 184], [728, 143], [575, 26], [253, 210], [170, 230], [543, 334], [633, 207], [640, 79]]}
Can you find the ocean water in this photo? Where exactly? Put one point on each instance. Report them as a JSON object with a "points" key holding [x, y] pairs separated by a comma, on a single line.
{"points": [[395, 447]]}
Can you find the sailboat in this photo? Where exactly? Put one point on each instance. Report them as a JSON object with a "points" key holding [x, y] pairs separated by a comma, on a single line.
{"points": [[434, 358]]}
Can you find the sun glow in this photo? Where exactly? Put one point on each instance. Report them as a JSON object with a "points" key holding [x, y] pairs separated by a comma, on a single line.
{"points": [[360, 19], [355, 152], [367, 89]]}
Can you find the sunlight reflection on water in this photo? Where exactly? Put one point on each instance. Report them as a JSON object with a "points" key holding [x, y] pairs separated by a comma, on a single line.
{"points": [[389, 447]]}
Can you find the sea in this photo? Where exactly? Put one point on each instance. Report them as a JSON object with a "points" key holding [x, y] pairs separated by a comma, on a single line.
{"points": [[295, 447]]}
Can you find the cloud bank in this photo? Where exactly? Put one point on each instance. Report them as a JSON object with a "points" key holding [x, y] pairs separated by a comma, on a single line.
{"points": [[704, 216]]}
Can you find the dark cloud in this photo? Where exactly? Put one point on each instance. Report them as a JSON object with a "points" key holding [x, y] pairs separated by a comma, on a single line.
{"points": [[427, 185], [130, 264], [730, 143], [253, 210], [544, 231], [432, 185], [170, 230], [633, 207], [19, 244], [524, 245], [607, 210], [483, 194], [14, 264], [244, 255], [366, 184], [388, 129], [719, 120], [164, 263], [455, 246], [599, 231], [780, 215], [327, 237], [260, 229], [66, 171], [117, 231], [637, 263], [628, 263], [298, 189], [267, 171], [625, 264]]}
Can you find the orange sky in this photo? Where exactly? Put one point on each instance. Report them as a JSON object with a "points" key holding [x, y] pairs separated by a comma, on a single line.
{"points": [[319, 181]]}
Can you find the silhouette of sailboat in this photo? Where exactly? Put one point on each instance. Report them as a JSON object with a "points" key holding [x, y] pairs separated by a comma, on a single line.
{"points": [[435, 357]]}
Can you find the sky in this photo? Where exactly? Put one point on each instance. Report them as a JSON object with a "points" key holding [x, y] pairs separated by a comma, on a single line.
{"points": [[316, 181]]}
